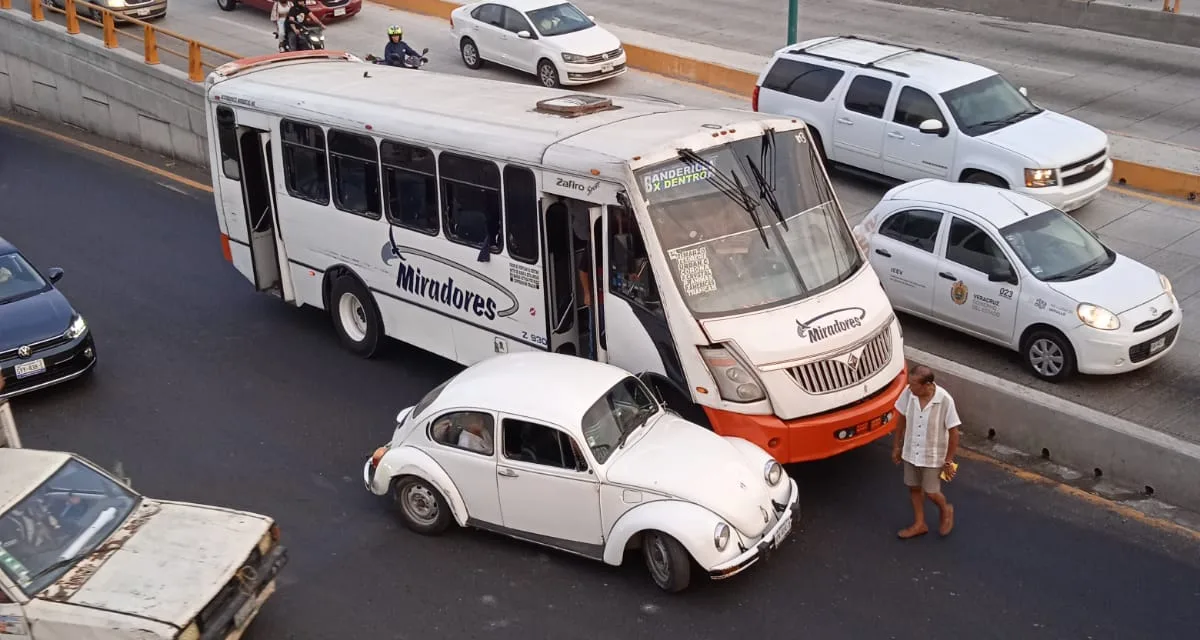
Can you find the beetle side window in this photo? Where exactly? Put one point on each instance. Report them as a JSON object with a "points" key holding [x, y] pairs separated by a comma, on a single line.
{"points": [[868, 96], [802, 79], [914, 107], [529, 442], [467, 430], [972, 247], [917, 227]]}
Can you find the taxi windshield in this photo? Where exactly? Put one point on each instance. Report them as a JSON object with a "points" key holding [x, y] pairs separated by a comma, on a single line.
{"points": [[45, 534], [750, 224], [619, 412], [1056, 248]]}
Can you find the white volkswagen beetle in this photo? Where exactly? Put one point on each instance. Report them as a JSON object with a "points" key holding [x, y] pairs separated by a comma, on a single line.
{"points": [[1013, 270], [580, 456]]}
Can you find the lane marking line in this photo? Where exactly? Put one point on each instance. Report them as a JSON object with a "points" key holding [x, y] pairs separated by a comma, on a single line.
{"points": [[113, 155]]}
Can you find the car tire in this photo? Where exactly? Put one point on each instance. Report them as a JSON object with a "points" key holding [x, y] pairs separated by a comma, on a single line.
{"points": [[980, 177], [667, 560], [422, 507], [355, 316], [548, 74], [227, 5], [1048, 355], [470, 53]]}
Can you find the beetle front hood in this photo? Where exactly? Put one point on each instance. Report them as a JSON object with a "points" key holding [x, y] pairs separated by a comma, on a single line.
{"points": [[689, 462]]}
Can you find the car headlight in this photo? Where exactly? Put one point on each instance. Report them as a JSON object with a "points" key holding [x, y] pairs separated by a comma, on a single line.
{"points": [[192, 632], [574, 59], [1166, 284], [721, 536], [734, 382], [115, 4], [1097, 317], [772, 473], [78, 327], [265, 543], [1041, 177]]}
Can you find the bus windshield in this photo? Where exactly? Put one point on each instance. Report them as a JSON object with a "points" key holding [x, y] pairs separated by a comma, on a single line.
{"points": [[749, 224]]}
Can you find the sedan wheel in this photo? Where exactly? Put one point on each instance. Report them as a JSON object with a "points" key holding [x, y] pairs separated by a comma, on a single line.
{"points": [[547, 74], [668, 562], [470, 54], [1049, 356], [422, 507]]}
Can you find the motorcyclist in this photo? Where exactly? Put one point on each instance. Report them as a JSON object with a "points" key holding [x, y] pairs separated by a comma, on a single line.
{"points": [[296, 17], [397, 50]]}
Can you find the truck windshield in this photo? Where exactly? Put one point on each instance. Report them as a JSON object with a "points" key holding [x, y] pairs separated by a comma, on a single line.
{"points": [[49, 531], [749, 224]]}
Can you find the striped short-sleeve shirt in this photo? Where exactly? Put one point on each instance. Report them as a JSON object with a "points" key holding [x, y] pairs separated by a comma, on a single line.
{"points": [[927, 431]]}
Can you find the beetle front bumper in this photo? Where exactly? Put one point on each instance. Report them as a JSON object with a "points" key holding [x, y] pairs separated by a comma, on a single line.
{"points": [[771, 540]]}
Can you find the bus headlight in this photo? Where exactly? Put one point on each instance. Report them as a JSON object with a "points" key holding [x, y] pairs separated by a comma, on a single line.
{"points": [[192, 632], [721, 536], [772, 473], [734, 382]]}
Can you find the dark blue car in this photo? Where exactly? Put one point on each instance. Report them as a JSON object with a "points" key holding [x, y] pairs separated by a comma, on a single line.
{"points": [[43, 340]]}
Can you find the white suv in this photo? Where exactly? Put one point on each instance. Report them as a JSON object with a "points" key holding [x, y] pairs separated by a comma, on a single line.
{"points": [[908, 114]]}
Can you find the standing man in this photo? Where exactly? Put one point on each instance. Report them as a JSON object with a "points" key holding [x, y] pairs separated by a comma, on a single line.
{"points": [[925, 442]]}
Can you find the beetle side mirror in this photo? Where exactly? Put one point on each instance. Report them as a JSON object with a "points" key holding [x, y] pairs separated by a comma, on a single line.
{"points": [[524, 35], [55, 274], [933, 126]]}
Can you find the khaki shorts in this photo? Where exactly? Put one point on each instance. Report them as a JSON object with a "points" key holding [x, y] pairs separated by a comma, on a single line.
{"points": [[924, 477]]}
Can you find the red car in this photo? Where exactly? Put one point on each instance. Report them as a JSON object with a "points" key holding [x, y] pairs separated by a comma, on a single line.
{"points": [[325, 10]]}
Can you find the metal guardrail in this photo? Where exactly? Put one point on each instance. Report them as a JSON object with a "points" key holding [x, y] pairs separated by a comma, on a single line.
{"points": [[196, 64]]}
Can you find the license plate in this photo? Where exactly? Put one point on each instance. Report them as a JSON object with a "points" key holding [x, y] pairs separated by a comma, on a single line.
{"points": [[143, 12], [605, 68], [1158, 345], [26, 369], [783, 532], [339, 12]]}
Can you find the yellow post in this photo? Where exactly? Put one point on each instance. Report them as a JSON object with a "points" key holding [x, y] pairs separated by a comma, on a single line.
{"points": [[110, 30], [151, 46], [35, 10], [5, 4], [72, 17], [195, 62]]}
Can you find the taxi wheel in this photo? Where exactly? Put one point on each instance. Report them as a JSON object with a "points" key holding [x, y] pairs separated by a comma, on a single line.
{"points": [[355, 316], [1049, 355], [422, 507], [669, 564]]}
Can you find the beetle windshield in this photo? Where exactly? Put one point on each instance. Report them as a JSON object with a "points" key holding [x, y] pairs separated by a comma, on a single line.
{"points": [[57, 525], [619, 412]]}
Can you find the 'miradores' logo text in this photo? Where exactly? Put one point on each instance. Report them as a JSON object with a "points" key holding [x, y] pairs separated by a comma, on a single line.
{"points": [[831, 323], [446, 292]]}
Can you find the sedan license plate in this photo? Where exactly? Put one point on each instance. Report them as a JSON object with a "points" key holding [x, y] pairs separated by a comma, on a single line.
{"points": [[339, 12], [605, 68], [783, 532], [143, 12], [1158, 345], [26, 369]]}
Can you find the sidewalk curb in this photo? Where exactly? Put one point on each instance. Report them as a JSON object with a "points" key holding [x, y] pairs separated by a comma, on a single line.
{"points": [[1150, 178]]}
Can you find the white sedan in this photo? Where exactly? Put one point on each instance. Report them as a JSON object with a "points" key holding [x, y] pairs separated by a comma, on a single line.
{"points": [[1012, 270], [580, 456], [553, 40]]}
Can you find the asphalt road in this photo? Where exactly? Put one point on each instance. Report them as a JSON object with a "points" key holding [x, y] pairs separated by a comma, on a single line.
{"points": [[209, 392]]}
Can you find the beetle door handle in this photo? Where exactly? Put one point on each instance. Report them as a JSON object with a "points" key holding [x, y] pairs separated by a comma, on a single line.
{"points": [[947, 275], [883, 253], [507, 473]]}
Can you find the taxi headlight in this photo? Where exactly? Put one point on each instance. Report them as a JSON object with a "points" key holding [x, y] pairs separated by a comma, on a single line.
{"points": [[192, 632], [773, 473], [1166, 285], [1097, 317], [78, 327], [721, 536]]}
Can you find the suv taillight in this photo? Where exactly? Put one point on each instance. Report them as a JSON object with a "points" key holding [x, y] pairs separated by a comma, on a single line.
{"points": [[754, 100]]}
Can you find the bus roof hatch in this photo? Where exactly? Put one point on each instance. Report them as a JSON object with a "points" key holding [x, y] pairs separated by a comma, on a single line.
{"points": [[575, 105]]}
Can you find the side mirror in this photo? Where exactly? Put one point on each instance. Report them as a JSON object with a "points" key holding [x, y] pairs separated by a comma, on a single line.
{"points": [[1023, 91], [425, 51], [1001, 273], [524, 35], [55, 274], [592, 18], [932, 126]]}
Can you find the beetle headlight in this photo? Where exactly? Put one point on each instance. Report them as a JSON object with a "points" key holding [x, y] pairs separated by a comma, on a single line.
{"points": [[265, 543], [78, 327], [721, 536], [1097, 317], [192, 632], [773, 472]]}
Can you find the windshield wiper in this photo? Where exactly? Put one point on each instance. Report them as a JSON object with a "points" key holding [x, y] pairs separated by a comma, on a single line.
{"points": [[58, 564], [1010, 119], [639, 421], [732, 189], [766, 190], [1079, 272]]}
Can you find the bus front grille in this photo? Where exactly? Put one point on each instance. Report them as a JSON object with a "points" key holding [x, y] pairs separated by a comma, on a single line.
{"points": [[847, 368]]}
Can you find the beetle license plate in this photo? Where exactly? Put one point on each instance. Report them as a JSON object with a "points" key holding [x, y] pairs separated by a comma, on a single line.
{"points": [[26, 369], [1158, 345], [783, 532], [339, 12]]}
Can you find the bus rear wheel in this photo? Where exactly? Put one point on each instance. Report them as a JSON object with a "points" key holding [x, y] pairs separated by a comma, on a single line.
{"points": [[355, 316]]}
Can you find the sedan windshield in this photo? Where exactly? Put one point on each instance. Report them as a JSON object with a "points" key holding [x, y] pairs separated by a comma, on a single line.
{"points": [[559, 19], [620, 411], [59, 524], [987, 105], [1056, 248], [18, 279], [749, 224]]}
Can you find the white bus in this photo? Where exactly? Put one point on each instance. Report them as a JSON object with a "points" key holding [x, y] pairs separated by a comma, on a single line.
{"points": [[702, 248]]}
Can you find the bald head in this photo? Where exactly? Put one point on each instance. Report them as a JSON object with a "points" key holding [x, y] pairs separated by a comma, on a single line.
{"points": [[920, 373]]}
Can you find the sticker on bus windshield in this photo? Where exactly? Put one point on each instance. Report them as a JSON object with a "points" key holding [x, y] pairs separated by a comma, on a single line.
{"points": [[678, 175], [694, 269]]}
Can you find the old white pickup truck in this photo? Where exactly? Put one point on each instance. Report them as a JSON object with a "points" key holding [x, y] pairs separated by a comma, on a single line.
{"points": [[84, 557]]}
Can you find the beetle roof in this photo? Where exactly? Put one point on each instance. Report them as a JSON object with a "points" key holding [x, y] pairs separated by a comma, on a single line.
{"points": [[543, 386], [22, 470]]}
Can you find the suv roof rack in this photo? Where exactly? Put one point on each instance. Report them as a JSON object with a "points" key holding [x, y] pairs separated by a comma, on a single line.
{"points": [[866, 65]]}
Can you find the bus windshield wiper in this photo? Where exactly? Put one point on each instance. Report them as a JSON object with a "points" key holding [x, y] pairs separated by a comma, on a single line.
{"points": [[731, 188], [766, 189]]}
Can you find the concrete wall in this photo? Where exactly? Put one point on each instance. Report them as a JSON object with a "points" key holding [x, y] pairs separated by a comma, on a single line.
{"points": [[49, 74], [1083, 14]]}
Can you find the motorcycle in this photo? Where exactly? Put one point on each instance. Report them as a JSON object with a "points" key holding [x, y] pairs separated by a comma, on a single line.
{"points": [[410, 61], [310, 38]]}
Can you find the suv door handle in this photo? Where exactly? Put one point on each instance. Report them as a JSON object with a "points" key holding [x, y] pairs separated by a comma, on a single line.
{"points": [[883, 253], [893, 134], [947, 275], [507, 473], [845, 121]]}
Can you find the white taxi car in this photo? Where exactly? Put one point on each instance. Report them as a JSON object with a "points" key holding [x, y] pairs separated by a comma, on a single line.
{"points": [[552, 39], [84, 556], [580, 456], [1012, 270]]}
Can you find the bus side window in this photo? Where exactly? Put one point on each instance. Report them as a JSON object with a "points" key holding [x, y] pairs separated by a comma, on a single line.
{"points": [[410, 186], [630, 276], [231, 162], [521, 213], [471, 201], [354, 160], [305, 172]]}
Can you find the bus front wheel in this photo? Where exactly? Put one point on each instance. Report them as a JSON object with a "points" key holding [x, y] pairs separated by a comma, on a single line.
{"points": [[355, 316]]}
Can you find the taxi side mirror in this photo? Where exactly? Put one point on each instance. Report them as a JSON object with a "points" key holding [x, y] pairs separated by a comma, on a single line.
{"points": [[1002, 273]]}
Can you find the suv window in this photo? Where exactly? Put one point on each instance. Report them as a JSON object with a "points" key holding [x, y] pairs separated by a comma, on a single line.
{"points": [[529, 442], [868, 96], [972, 247], [917, 227], [802, 79], [914, 107]]}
